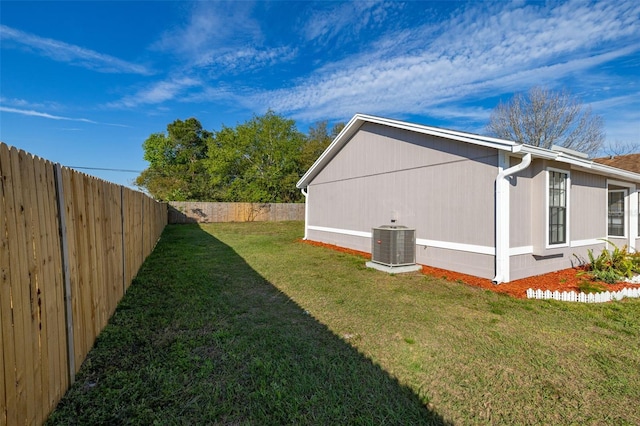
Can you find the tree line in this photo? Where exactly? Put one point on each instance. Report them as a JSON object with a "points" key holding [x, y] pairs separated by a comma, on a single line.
{"points": [[258, 161]]}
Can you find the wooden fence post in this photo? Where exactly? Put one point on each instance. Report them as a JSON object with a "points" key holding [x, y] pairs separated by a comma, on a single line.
{"points": [[64, 249], [142, 230], [124, 251]]}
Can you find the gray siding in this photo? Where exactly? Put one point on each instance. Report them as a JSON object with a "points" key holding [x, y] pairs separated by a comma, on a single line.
{"points": [[446, 190], [442, 188], [587, 220], [588, 206], [520, 209], [528, 265]]}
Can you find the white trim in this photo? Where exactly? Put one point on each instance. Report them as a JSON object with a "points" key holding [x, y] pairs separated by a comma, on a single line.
{"points": [[634, 199], [305, 192], [419, 241], [567, 224], [471, 248], [631, 205], [502, 220], [517, 251], [589, 242], [340, 231], [625, 212]]}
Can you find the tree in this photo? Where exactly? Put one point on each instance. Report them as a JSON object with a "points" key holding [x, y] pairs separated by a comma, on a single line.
{"points": [[177, 170], [318, 139], [257, 161], [544, 118]]}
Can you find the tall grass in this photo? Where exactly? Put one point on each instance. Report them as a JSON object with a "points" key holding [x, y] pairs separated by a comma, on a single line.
{"points": [[242, 323]]}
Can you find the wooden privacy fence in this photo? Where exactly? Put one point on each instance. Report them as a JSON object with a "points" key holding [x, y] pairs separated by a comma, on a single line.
{"points": [[201, 212], [70, 245]]}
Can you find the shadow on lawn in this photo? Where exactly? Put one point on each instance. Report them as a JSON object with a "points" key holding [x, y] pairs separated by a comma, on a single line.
{"points": [[201, 337]]}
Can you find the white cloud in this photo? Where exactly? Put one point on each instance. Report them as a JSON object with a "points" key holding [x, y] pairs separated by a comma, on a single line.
{"points": [[622, 118], [40, 114], [341, 21], [157, 93], [224, 36], [33, 113], [211, 25], [483, 50], [69, 53], [248, 58]]}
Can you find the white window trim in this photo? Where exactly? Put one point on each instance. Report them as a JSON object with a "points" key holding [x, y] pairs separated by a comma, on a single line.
{"points": [[567, 236], [630, 225], [636, 195], [625, 213]]}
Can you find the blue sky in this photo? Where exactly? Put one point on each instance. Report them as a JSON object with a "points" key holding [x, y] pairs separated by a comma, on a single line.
{"points": [[85, 83]]}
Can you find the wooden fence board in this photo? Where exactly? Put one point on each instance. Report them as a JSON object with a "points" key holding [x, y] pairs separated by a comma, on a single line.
{"points": [[83, 259], [32, 230], [39, 288], [20, 287], [98, 258], [53, 304], [107, 232], [4, 307], [9, 405], [69, 227]]}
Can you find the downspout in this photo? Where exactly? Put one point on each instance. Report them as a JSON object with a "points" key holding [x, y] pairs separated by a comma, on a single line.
{"points": [[503, 218], [305, 192]]}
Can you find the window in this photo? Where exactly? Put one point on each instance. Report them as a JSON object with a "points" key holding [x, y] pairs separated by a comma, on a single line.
{"points": [[557, 207], [615, 216]]}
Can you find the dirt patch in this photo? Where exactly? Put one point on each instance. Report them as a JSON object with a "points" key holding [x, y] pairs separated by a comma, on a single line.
{"points": [[565, 280]]}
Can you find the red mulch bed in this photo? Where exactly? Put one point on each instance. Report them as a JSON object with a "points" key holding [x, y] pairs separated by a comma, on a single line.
{"points": [[565, 280]]}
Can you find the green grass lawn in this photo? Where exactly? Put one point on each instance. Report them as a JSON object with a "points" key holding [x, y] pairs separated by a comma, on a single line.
{"points": [[244, 324]]}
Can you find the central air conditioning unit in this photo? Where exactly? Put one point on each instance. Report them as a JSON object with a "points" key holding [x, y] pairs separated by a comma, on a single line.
{"points": [[393, 245]]}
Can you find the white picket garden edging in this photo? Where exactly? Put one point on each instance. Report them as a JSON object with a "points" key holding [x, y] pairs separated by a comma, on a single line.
{"points": [[572, 296]]}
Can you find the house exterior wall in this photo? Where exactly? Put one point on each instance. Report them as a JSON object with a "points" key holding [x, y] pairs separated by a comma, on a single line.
{"points": [[442, 188], [587, 220], [446, 190], [520, 207]]}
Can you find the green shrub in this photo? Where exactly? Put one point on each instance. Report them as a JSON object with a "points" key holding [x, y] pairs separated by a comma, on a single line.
{"points": [[614, 265], [591, 287]]}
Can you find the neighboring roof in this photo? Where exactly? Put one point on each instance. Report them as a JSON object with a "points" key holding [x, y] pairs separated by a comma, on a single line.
{"points": [[630, 162], [563, 156]]}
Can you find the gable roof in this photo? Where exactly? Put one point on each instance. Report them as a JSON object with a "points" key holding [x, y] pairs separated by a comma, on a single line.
{"points": [[630, 162], [563, 156]]}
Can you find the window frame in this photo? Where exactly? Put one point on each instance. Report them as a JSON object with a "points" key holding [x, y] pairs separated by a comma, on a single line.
{"points": [[567, 191], [625, 230]]}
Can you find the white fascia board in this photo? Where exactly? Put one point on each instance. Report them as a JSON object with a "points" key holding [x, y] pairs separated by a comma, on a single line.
{"points": [[537, 152], [587, 164], [500, 144]]}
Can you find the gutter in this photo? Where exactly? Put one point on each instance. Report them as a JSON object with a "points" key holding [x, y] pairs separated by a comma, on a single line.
{"points": [[305, 192], [503, 217]]}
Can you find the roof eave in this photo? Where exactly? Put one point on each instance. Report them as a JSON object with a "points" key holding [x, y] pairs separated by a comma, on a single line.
{"points": [[500, 144]]}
